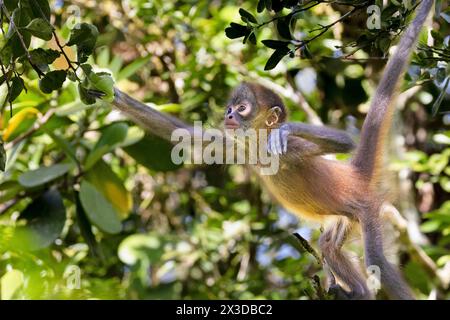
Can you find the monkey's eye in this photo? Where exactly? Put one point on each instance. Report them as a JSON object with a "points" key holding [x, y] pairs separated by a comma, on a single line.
{"points": [[241, 108], [229, 110]]}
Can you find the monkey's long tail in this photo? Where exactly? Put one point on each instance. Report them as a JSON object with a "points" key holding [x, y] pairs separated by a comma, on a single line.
{"points": [[369, 154]]}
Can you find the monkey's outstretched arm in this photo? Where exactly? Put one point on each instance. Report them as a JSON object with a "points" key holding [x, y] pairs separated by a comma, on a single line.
{"points": [[331, 140], [155, 122], [327, 140]]}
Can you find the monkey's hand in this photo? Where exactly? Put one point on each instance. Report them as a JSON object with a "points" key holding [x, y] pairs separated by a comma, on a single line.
{"points": [[278, 138]]}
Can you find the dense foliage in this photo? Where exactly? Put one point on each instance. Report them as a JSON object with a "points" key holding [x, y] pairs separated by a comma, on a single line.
{"points": [[93, 207]]}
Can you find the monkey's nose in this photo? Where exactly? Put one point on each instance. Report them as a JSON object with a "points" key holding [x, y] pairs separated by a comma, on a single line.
{"points": [[230, 116]]}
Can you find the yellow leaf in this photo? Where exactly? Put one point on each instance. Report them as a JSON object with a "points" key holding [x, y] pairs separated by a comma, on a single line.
{"points": [[10, 283], [107, 182], [20, 122]]}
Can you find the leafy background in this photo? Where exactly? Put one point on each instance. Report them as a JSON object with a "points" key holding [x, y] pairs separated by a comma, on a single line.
{"points": [[92, 207]]}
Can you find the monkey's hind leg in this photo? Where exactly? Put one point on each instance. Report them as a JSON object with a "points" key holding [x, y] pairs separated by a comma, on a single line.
{"points": [[331, 242], [390, 277]]}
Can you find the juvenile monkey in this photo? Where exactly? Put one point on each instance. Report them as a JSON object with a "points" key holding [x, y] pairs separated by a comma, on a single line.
{"points": [[310, 185]]}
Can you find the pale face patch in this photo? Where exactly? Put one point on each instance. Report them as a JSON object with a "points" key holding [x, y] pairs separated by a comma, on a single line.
{"points": [[243, 108]]}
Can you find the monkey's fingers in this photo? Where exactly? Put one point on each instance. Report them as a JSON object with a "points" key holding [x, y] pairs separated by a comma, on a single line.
{"points": [[272, 142], [278, 146], [284, 140], [269, 143]]}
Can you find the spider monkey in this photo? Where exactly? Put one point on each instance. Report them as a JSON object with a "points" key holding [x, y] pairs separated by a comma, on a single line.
{"points": [[341, 195]]}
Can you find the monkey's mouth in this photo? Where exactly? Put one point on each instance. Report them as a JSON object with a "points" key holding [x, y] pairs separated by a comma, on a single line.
{"points": [[231, 124]]}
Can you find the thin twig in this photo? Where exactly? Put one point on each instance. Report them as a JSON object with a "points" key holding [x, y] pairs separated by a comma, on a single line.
{"points": [[292, 13], [69, 62], [328, 26], [307, 247]]}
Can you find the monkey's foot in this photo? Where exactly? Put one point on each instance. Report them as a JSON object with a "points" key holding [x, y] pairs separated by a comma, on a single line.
{"points": [[340, 294]]}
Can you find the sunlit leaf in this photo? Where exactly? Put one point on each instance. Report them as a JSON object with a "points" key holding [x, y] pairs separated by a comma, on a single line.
{"points": [[19, 123], [132, 68], [10, 283], [84, 36], [108, 183], [110, 138], [141, 246], [99, 210]]}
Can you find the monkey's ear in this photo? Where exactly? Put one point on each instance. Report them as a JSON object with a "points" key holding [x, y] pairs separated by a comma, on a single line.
{"points": [[274, 116]]}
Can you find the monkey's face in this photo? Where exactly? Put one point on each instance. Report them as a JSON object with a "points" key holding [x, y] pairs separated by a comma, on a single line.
{"points": [[239, 115], [241, 108], [253, 106]]}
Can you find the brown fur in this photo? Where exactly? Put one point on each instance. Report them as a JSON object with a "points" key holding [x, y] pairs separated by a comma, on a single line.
{"points": [[316, 188]]}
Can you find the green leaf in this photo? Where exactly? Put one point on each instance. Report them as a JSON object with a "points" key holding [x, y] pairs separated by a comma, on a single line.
{"points": [[85, 227], [52, 80], [17, 87], [103, 82], [43, 175], [85, 97], [21, 122], [260, 7], [45, 217], [138, 247], [132, 68], [153, 153], [111, 186], [236, 31], [110, 138], [40, 8], [275, 44], [275, 58], [438, 38], [9, 190], [247, 16], [99, 211], [134, 135], [84, 36], [19, 19], [10, 284], [40, 28], [42, 58], [15, 16], [283, 28], [430, 226]]}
